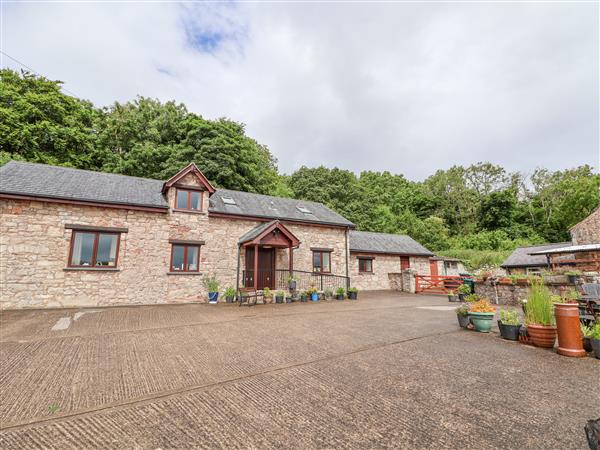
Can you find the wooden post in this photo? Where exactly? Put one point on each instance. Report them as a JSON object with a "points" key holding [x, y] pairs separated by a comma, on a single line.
{"points": [[416, 283], [256, 267]]}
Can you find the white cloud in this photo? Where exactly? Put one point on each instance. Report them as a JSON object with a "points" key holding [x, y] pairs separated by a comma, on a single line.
{"points": [[403, 87]]}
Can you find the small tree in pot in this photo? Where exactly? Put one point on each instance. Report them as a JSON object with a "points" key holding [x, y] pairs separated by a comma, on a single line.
{"points": [[279, 297], [352, 293], [267, 295], [463, 290], [230, 294], [340, 293], [509, 325], [539, 316], [211, 284], [462, 314]]}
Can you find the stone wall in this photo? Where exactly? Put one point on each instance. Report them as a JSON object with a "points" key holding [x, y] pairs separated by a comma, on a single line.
{"points": [[509, 294], [588, 230], [385, 269], [34, 248]]}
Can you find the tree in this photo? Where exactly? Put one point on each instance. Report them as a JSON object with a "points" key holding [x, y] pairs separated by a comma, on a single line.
{"points": [[497, 210], [40, 123]]}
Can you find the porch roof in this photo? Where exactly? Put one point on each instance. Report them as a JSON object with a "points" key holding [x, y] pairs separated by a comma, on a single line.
{"points": [[263, 229]]}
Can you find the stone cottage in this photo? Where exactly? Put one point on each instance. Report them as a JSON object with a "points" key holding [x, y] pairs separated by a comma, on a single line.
{"points": [[582, 253], [72, 237]]}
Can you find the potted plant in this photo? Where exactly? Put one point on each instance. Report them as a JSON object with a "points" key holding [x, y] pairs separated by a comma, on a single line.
{"points": [[452, 297], [292, 282], [481, 314], [509, 325], [313, 294], [568, 328], [340, 293], [472, 298], [230, 294], [586, 332], [303, 297], [463, 290], [288, 298], [573, 276], [267, 295], [328, 293], [352, 293], [211, 284], [595, 339], [462, 314], [279, 297], [539, 316]]}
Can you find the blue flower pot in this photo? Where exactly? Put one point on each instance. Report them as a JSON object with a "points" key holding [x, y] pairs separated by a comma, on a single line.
{"points": [[213, 297], [314, 297]]}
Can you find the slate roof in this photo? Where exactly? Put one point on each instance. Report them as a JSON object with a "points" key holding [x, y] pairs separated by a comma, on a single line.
{"points": [[521, 256], [569, 249], [254, 232], [257, 205], [366, 241], [41, 180]]}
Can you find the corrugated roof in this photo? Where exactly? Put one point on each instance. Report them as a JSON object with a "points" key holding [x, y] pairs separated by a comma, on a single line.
{"points": [[568, 249], [521, 257], [257, 205], [42, 180], [366, 241], [64, 183]]}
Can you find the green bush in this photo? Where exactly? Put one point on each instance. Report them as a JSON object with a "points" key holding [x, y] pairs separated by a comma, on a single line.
{"points": [[509, 317], [211, 283], [595, 333], [477, 259], [230, 292]]}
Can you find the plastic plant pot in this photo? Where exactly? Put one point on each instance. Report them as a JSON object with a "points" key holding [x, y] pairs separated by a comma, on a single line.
{"points": [[314, 297], [213, 297], [482, 321], [509, 332]]}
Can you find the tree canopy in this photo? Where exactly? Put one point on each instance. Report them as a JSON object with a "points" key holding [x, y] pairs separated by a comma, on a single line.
{"points": [[457, 211]]}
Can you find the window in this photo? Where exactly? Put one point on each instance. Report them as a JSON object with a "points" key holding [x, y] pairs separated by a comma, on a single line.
{"points": [[533, 271], [190, 200], [303, 209], [94, 249], [184, 258], [404, 262], [321, 261], [228, 201], [365, 265]]}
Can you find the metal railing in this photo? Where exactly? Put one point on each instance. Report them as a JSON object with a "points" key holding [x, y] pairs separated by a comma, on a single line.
{"points": [[279, 280]]}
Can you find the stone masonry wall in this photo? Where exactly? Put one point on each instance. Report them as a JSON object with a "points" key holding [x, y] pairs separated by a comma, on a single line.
{"points": [[508, 294], [588, 230], [34, 248], [383, 267]]}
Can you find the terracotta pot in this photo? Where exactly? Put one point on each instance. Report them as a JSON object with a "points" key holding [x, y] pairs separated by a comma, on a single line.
{"points": [[569, 331], [542, 336]]}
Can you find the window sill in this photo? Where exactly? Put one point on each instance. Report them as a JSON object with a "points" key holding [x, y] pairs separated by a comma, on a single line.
{"points": [[92, 269], [184, 273], [366, 273], [188, 211]]}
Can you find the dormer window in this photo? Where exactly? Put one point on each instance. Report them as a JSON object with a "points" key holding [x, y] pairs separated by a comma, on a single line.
{"points": [[188, 200], [228, 200]]}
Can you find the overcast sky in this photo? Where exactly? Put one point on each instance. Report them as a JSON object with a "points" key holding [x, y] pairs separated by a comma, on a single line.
{"points": [[405, 87]]}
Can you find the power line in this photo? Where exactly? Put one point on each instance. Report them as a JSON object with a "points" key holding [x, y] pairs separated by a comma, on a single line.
{"points": [[34, 71]]}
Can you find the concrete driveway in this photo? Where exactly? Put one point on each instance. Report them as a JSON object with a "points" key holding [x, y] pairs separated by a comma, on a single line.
{"points": [[390, 370]]}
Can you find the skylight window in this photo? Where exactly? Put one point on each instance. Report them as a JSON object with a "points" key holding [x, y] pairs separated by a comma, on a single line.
{"points": [[303, 209], [228, 200]]}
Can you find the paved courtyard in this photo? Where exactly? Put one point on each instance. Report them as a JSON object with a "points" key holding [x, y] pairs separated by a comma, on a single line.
{"points": [[390, 370]]}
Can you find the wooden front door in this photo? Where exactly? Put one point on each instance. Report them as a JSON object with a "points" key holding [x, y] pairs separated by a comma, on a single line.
{"points": [[266, 268], [433, 268]]}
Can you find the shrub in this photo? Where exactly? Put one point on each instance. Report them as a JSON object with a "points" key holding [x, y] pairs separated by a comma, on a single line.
{"points": [[586, 330], [472, 298], [464, 289], [280, 294], [482, 306], [211, 284], [540, 307], [230, 292], [462, 310], [341, 291], [267, 293], [595, 333], [509, 317], [352, 290], [328, 293]]}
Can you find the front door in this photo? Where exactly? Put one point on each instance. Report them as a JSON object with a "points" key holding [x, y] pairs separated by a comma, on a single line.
{"points": [[266, 268], [433, 268]]}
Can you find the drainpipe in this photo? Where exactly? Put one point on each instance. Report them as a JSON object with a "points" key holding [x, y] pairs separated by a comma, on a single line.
{"points": [[346, 248], [237, 274]]}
